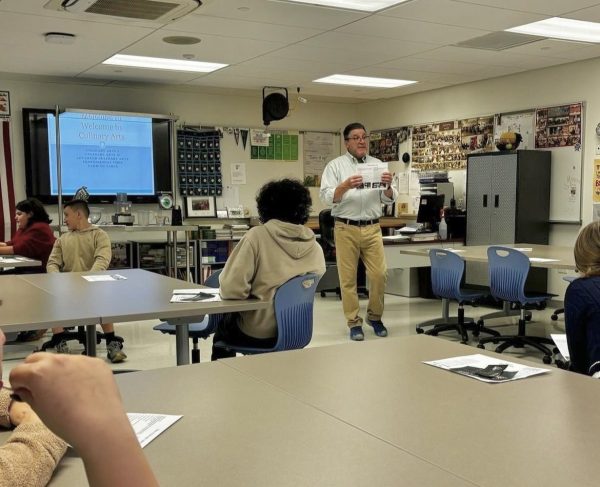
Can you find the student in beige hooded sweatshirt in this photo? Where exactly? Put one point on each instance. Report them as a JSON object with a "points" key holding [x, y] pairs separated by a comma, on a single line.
{"points": [[265, 258]]}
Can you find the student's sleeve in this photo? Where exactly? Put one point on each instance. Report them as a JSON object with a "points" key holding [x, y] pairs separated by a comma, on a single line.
{"points": [[29, 246], [31, 453], [235, 281], [102, 252], [55, 261]]}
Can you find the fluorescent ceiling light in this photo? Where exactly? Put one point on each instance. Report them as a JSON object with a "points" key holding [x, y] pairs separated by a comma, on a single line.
{"points": [[344, 79], [163, 63], [559, 28], [363, 5]]}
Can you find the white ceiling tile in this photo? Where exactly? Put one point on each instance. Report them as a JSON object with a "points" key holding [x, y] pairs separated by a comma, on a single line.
{"points": [[549, 7], [417, 63], [104, 71], [450, 12], [412, 30]]}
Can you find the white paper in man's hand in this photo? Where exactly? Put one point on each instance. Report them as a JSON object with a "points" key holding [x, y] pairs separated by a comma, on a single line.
{"points": [[371, 173]]}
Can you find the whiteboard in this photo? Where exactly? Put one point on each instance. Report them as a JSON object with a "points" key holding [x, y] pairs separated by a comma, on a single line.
{"points": [[565, 185]]}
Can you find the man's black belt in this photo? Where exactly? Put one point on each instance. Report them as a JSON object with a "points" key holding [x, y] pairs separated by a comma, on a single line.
{"points": [[357, 223]]}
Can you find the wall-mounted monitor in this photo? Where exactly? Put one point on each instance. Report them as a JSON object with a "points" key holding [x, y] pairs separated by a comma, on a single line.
{"points": [[109, 153]]}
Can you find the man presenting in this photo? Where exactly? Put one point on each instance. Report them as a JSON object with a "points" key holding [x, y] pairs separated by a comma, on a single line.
{"points": [[356, 206], [84, 247]]}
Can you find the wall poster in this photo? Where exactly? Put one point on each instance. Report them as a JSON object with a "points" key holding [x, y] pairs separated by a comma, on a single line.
{"points": [[384, 144], [558, 126]]}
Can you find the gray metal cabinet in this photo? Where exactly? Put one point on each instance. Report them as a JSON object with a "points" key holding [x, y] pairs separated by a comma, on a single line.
{"points": [[508, 202]]}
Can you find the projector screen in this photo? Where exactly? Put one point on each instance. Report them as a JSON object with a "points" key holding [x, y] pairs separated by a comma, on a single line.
{"points": [[109, 153]]}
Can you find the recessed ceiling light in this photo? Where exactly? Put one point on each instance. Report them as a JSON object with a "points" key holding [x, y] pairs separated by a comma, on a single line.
{"points": [[163, 63], [362, 5], [181, 40], [344, 79], [559, 28]]}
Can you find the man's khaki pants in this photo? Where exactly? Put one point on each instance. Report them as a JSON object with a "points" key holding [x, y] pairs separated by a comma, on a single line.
{"points": [[352, 242]]}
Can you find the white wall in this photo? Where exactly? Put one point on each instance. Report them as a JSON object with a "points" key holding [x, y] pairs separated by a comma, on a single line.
{"points": [[191, 107]]}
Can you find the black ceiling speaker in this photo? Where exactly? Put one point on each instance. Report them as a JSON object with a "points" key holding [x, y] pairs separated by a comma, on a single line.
{"points": [[275, 105]]}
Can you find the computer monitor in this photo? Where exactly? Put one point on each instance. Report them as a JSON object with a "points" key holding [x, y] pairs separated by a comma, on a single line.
{"points": [[430, 207]]}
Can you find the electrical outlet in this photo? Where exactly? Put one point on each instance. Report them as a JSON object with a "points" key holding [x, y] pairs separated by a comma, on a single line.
{"points": [[598, 149]]}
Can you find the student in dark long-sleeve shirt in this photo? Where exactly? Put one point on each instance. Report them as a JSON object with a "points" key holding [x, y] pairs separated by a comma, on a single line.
{"points": [[582, 304]]}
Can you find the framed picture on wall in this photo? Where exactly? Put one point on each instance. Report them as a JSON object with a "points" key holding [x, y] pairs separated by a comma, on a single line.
{"points": [[200, 207], [4, 104]]}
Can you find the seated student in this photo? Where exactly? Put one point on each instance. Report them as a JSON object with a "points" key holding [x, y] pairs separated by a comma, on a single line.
{"points": [[582, 304], [84, 247], [77, 398], [34, 237], [265, 258]]}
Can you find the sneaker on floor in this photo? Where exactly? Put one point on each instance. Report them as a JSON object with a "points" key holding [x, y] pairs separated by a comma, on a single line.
{"points": [[62, 347], [114, 352], [378, 327], [356, 334]]}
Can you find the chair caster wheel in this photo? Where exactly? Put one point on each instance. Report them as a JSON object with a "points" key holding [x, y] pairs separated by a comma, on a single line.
{"points": [[547, 359], [554, 317], [555, 350], [475, 333], [528, 316], [479, 345], [322, 294], [433, 333], [420, 330], [480, 323], [497, 351]]}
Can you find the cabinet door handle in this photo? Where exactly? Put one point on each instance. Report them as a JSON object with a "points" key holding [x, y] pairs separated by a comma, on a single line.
{"points": [[485, 200], [496, 200]]}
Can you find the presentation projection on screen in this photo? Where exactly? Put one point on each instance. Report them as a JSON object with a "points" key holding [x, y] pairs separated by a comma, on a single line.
{"points": [[107, 153]]}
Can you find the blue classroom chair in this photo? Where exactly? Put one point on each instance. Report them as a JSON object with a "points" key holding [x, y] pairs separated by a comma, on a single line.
{"points": [[198, 330], [508, 270], [293, 303]]}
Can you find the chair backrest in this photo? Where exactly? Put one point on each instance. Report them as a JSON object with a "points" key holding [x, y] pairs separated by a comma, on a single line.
{"points": [[213, 279], [508, 270], [294, 303], [447, 269], [326, 229]]}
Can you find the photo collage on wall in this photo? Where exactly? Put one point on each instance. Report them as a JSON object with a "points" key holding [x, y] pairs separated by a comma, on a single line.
{"points": [[558, 126], [437, 146], [477, 134], [384, 144]]}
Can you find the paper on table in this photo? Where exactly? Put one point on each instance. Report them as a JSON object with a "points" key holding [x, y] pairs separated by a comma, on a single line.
{"points": [[105, 277], [454, 250], [198, 294], [10, 260], [541, 259], [148, 426], [561, 343], [523, 249], [482, 361]]}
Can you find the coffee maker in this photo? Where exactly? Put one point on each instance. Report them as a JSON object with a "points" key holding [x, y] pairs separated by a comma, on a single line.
{"points": [[122, 214]]}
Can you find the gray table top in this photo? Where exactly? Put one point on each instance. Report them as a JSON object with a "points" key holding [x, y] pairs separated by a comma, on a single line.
{"points": [[67, 299], [562, 256], [238, 431], [537, 431]]}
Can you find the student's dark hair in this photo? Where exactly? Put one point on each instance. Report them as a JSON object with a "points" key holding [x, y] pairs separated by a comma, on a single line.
{"points": [[284, 199], [80, 205], [353, 126], [37, 210]]}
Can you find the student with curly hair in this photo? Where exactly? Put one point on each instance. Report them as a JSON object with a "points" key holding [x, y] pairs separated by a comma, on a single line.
{"points": [[582, 304], [266, 257]]}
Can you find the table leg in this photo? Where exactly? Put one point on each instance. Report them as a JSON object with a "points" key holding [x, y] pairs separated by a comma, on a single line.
{"points": [[182, 342], [90, 340]]}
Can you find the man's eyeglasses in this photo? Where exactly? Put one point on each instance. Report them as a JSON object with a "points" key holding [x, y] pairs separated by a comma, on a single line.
{"points": [[358, 138]]}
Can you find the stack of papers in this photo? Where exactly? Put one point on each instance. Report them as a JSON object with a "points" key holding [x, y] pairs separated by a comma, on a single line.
{"points": [[486, 369], [424, 237], [194, 295]]}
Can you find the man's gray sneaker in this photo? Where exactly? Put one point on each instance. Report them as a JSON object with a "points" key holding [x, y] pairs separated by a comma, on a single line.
{"points": [[114, 352]]}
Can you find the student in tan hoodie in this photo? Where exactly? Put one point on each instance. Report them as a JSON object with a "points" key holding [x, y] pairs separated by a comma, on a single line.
{"points": [[266, 257]]}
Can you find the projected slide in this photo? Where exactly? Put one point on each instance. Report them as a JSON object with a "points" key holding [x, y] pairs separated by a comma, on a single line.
{"points": [[107, 153]]}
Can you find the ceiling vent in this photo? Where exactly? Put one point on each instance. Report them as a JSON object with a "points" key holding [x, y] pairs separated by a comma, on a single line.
{"points": [[149, 10], [499, 41]]}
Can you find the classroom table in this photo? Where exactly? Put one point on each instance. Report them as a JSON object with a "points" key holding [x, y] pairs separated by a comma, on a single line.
{"points": [[9, 261], [142, 295], [542, 430], [561, 256], [237, 431]]}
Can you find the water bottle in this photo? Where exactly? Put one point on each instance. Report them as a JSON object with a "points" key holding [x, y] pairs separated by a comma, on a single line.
{"points": [[443, 228]]}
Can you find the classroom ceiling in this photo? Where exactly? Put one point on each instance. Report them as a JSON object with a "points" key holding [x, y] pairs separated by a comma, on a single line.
{"points": [[273, 43]]}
